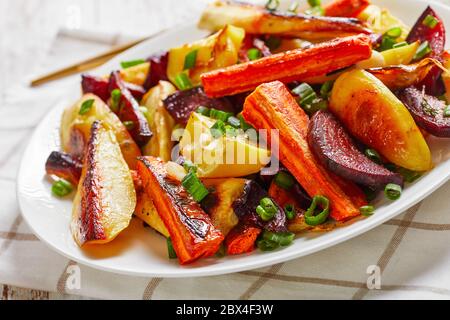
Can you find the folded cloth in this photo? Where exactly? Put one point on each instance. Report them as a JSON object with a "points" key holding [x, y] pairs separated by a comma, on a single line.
{"points": [[411, 251]]}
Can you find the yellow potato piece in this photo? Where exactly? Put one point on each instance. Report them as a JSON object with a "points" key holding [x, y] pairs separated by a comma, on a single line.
{"points": [[136, 74], [223, 157], [381, 20], [401, 55], [146, 211]]}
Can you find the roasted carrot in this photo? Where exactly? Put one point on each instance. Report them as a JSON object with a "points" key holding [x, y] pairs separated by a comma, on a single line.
{"points": [[288, 66], [191, 230], [241, 239], [345, 8], [271, 106]]}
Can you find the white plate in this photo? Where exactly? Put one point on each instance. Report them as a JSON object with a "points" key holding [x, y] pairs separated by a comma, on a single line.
{"points": [[141, 251]]}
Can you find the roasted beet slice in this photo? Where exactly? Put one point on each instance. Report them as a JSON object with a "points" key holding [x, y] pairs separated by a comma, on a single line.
{"points": [[136, 91], [336, 150], [427, 111], [436, 39], [158, 69], [182, 103], [128, 111], [63, 165], [95, 85], [245, 209]]}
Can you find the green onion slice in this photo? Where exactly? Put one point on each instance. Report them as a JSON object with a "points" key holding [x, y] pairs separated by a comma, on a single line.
{"points": [[86, 106], [305, 93], [61, 188], [314, 3], [234, 122], [218, 129], [131, 63], [373, 155], [325, 89], [311, 218], [190, 60], [116, 95], [194, 186], [367, 210], [220, 115], [394, 33], [393, 191], [400, 44], [254, 54], [430, 21], [129, 125], [269, 241], [170, 249], [447, 111], [284, 180], [182, 81], [244, 125], [409, 175], [289, 210], [422, 50], [203, 111], [189, 166]]}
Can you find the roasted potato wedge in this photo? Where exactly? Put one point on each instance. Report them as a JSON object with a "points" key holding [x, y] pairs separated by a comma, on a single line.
{"points": [[146, 211], [106, 198], [375, 116], [75, 129], [136, 74], [160, 121]]}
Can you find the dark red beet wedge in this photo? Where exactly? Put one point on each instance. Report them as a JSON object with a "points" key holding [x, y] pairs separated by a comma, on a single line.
{"points": [[65, 166], [158, 69], [95, 85], [427, 111], [436, 39], [181, 104], [337, 151]]}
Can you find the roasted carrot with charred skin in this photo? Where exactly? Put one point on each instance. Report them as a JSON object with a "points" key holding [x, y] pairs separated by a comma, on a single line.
{"points": [[345, 8], [241, 239], [294, 65], [191, 230], [271, 106]]}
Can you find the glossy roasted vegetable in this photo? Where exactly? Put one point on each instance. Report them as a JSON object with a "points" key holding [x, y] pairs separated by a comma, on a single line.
{"points": [[400, 55], [105, 199], [64, 166], [294, 65], [271, 106], [345, 8], [427, 111], [242, 239], [217, 51], [258, 20], [160, 121], [191, 230], [337, 151], [446, 75], [136, 74], [100, 87], [158, 69], [75, 129], [226, 156], [373, 115]]}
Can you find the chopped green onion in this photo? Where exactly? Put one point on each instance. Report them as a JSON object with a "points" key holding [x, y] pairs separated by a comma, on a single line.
{"points": [[284, 180], [170, 250], [189, 166], [230, 131], [306, 94], [190, 60], [194, 186], [203, 111], [400, 44], [310, 216], [367, 210], [293, 7], [394, 33], [116, 95], [393, 191], [182, 81], [373, 155], [234, 122], [409, 175], [268, 205], [315, 11], [272, 5], [265, 245], [269, 241], [263, 214], [132, 63], [61, 188], [430, 21], [447, 111], [254, 54], [314, 3], [325, 89], [244, 125], [387, 43], [222, 251], [273, 42], [220, 115], [422, 50], [129, 125], [289, 210], [218, 129], [86, 106]]}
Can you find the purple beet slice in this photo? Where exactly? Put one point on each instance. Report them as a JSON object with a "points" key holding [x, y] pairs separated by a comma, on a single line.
{"points": [[95, 85], [337, 151], [181, 104], [427, 111], [158, 69]]}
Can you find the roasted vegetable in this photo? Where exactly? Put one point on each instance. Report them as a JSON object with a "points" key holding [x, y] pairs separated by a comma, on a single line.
{"points": [[345, 8], [160, 121], [158, 69], [251, 42], [220, 157], [219, 205], [271, 106], [181, 104], [105, 199], [128, 111], [299, 225], [400, 55], [258, 20], [245, 208], [64, 166], [436, 40], [289, 66], [100, 87], [75, 129], [190, 228], [446, 75], [217, 51], [146, 211], [373, 115], [337, 151], [136, 74], [427, 111], [242, 239]]}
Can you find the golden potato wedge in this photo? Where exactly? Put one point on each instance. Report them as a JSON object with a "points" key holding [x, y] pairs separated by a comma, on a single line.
{"points": [[106, 198], [75, 129], [375, 116], [160, 121], [146, 211], [136, 74]]}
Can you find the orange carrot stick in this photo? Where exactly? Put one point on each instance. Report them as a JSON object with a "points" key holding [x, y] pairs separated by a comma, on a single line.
{"points": [[241, 239], [345, 8], [288, 66], [271, 106]]}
